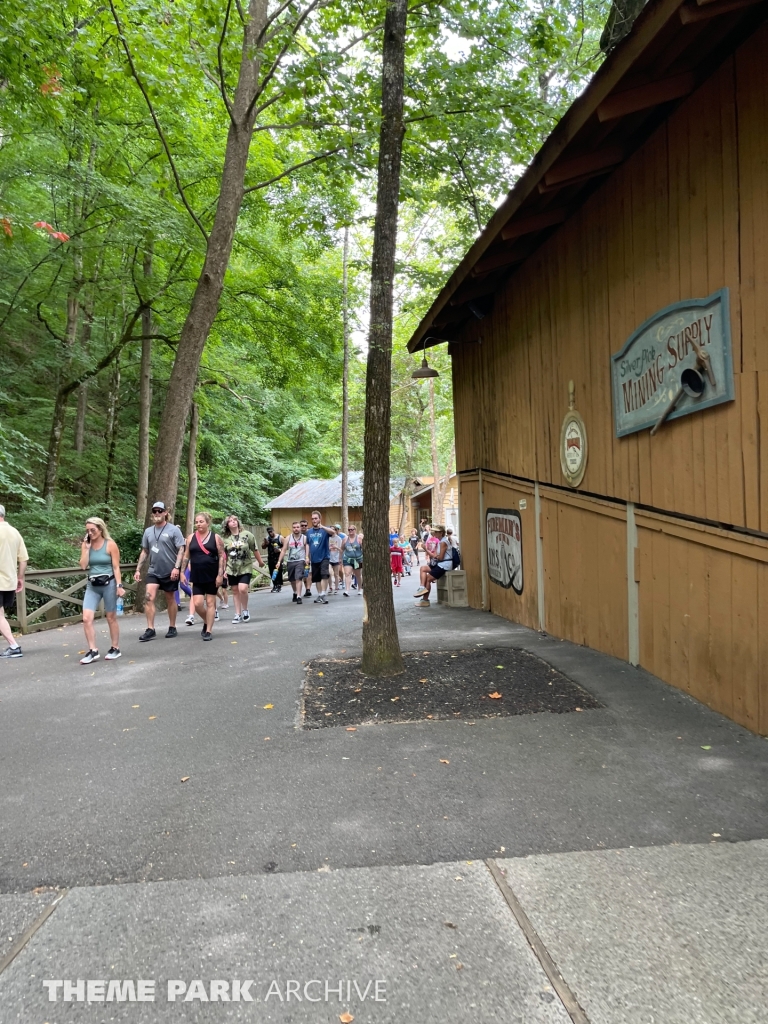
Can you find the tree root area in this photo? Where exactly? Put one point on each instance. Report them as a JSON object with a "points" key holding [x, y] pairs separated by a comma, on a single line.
{"points": [[439, 685]]}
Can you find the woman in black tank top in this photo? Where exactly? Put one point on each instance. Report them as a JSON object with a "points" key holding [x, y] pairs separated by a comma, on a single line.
{"points": [[206, 557]]}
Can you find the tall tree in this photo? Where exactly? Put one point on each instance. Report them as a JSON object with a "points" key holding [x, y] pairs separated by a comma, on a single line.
{"points": [[381, 647], [345, 386], [145, 396]]}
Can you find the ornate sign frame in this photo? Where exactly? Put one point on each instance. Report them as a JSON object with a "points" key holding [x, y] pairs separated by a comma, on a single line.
{"points": [[645, 373], [574, 449], [504, 548]]}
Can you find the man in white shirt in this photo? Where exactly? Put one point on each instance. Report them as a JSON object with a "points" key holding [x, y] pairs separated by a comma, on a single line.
{"points": [[13, 565]]}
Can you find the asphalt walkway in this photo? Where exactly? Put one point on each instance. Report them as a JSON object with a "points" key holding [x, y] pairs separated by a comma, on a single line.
{"points": [[605, 866]]}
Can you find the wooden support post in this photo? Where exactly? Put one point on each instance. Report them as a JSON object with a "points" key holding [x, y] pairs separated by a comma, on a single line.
{"points": [[633, 589], [539, 557], [483, 542]]}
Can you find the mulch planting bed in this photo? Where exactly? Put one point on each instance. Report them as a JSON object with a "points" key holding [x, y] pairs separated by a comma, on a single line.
{"points": [[487, 683]]}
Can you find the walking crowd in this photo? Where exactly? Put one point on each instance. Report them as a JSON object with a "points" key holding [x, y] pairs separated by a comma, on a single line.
{"points": [[206, 566]]}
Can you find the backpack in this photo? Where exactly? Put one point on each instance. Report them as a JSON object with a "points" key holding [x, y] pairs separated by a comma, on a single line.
{"points": [[455, 557]]}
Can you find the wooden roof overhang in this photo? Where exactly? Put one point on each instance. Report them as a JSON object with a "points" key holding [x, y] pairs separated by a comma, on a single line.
{"points": [[674, 45]]}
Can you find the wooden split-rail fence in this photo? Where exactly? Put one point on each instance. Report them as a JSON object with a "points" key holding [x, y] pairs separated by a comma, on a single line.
{"points": [[50, 614]]}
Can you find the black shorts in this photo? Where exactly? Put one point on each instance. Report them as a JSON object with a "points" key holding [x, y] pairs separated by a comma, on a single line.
{"points": [[437, 571], [244, 577], [320, 570], [208, 587], [295, 572], [166, 584], [7, 599]]}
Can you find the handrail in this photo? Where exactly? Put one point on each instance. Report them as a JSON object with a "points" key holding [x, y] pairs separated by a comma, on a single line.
{"points": [[33, 621]]}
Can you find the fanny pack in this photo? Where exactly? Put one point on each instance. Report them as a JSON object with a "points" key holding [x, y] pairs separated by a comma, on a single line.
{"points": [[101, 580]]}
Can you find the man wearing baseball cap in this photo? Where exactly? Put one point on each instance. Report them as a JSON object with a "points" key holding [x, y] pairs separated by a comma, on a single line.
{"points": [[161, 543]]}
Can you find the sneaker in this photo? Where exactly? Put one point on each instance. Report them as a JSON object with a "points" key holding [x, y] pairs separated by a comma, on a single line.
{"points": [[89, 657], [190, 620], [298, 600], [318, 600], [346, 594], [216, 616], [307, 593], [246, 616], [148, 634], [421, 591], [112, 654], [12, 652], [295, 598], [423, 603], [235, 619], [206, 635], [171, 632]]}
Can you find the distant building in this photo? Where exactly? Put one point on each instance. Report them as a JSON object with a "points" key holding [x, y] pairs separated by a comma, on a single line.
{"points": [[299, 501], [422, 504]]}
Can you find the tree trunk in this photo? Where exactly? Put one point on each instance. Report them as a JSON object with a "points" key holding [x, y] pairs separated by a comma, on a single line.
{"points": [[205, 302], [54, 445], [60, 408], [82, 406], [112, 428], [345, 388], [145, 398], [194, 427], [82, 391], [381, 647]]}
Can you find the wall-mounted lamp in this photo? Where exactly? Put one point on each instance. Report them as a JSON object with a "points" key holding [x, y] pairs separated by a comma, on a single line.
{"points": [[425, 370]]}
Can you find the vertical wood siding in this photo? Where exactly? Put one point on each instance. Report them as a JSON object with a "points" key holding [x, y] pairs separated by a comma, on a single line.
{"points": [[684, 216]]}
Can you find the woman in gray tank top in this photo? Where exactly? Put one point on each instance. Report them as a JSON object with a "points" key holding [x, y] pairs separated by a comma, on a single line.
{"points": [[100, 557]]}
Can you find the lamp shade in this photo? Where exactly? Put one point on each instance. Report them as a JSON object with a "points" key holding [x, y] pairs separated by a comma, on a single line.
{"points": [[424, 371]]}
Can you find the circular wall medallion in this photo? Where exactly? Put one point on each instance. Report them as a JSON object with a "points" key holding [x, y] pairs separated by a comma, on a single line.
{"points": [[573, 448]]}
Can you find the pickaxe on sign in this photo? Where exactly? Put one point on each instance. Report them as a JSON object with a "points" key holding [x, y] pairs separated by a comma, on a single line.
{"points": [[691, 383]]}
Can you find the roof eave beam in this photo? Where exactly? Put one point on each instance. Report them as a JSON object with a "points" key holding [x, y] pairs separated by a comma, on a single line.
{"points": [[646, 96]]}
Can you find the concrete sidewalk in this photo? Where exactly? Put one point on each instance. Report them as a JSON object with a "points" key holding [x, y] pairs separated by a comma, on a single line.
{"points": [[293, 855]]}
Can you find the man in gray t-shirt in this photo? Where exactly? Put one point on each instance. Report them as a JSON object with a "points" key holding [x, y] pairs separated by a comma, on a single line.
{"points": [[162, 543]]}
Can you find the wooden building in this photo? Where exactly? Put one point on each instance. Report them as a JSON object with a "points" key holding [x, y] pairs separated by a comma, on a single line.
{"points": [[299, 501], [422, 505], [629, 262]]}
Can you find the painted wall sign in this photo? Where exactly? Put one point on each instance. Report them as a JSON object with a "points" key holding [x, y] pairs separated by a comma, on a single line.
{"points": [[573, 448], [645, 374], [504, 544]]}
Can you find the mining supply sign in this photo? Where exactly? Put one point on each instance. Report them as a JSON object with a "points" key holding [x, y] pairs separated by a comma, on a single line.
{"points": [[646, 373]]}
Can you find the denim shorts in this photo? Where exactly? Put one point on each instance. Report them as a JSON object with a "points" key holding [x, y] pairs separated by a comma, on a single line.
{"points": [[93, 597]]}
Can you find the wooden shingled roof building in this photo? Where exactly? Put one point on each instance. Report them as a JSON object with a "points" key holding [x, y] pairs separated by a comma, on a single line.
{"points": [[609, 335]]}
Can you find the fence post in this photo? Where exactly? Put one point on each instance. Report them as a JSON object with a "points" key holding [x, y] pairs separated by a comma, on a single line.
{"points": [[21, 609]]}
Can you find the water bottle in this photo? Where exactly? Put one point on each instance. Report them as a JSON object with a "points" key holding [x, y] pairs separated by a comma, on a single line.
{"points": [[120, 606], [274, 575]]}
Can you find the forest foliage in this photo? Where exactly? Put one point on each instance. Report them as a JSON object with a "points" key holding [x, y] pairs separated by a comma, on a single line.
{"points": [[110, 166]]}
